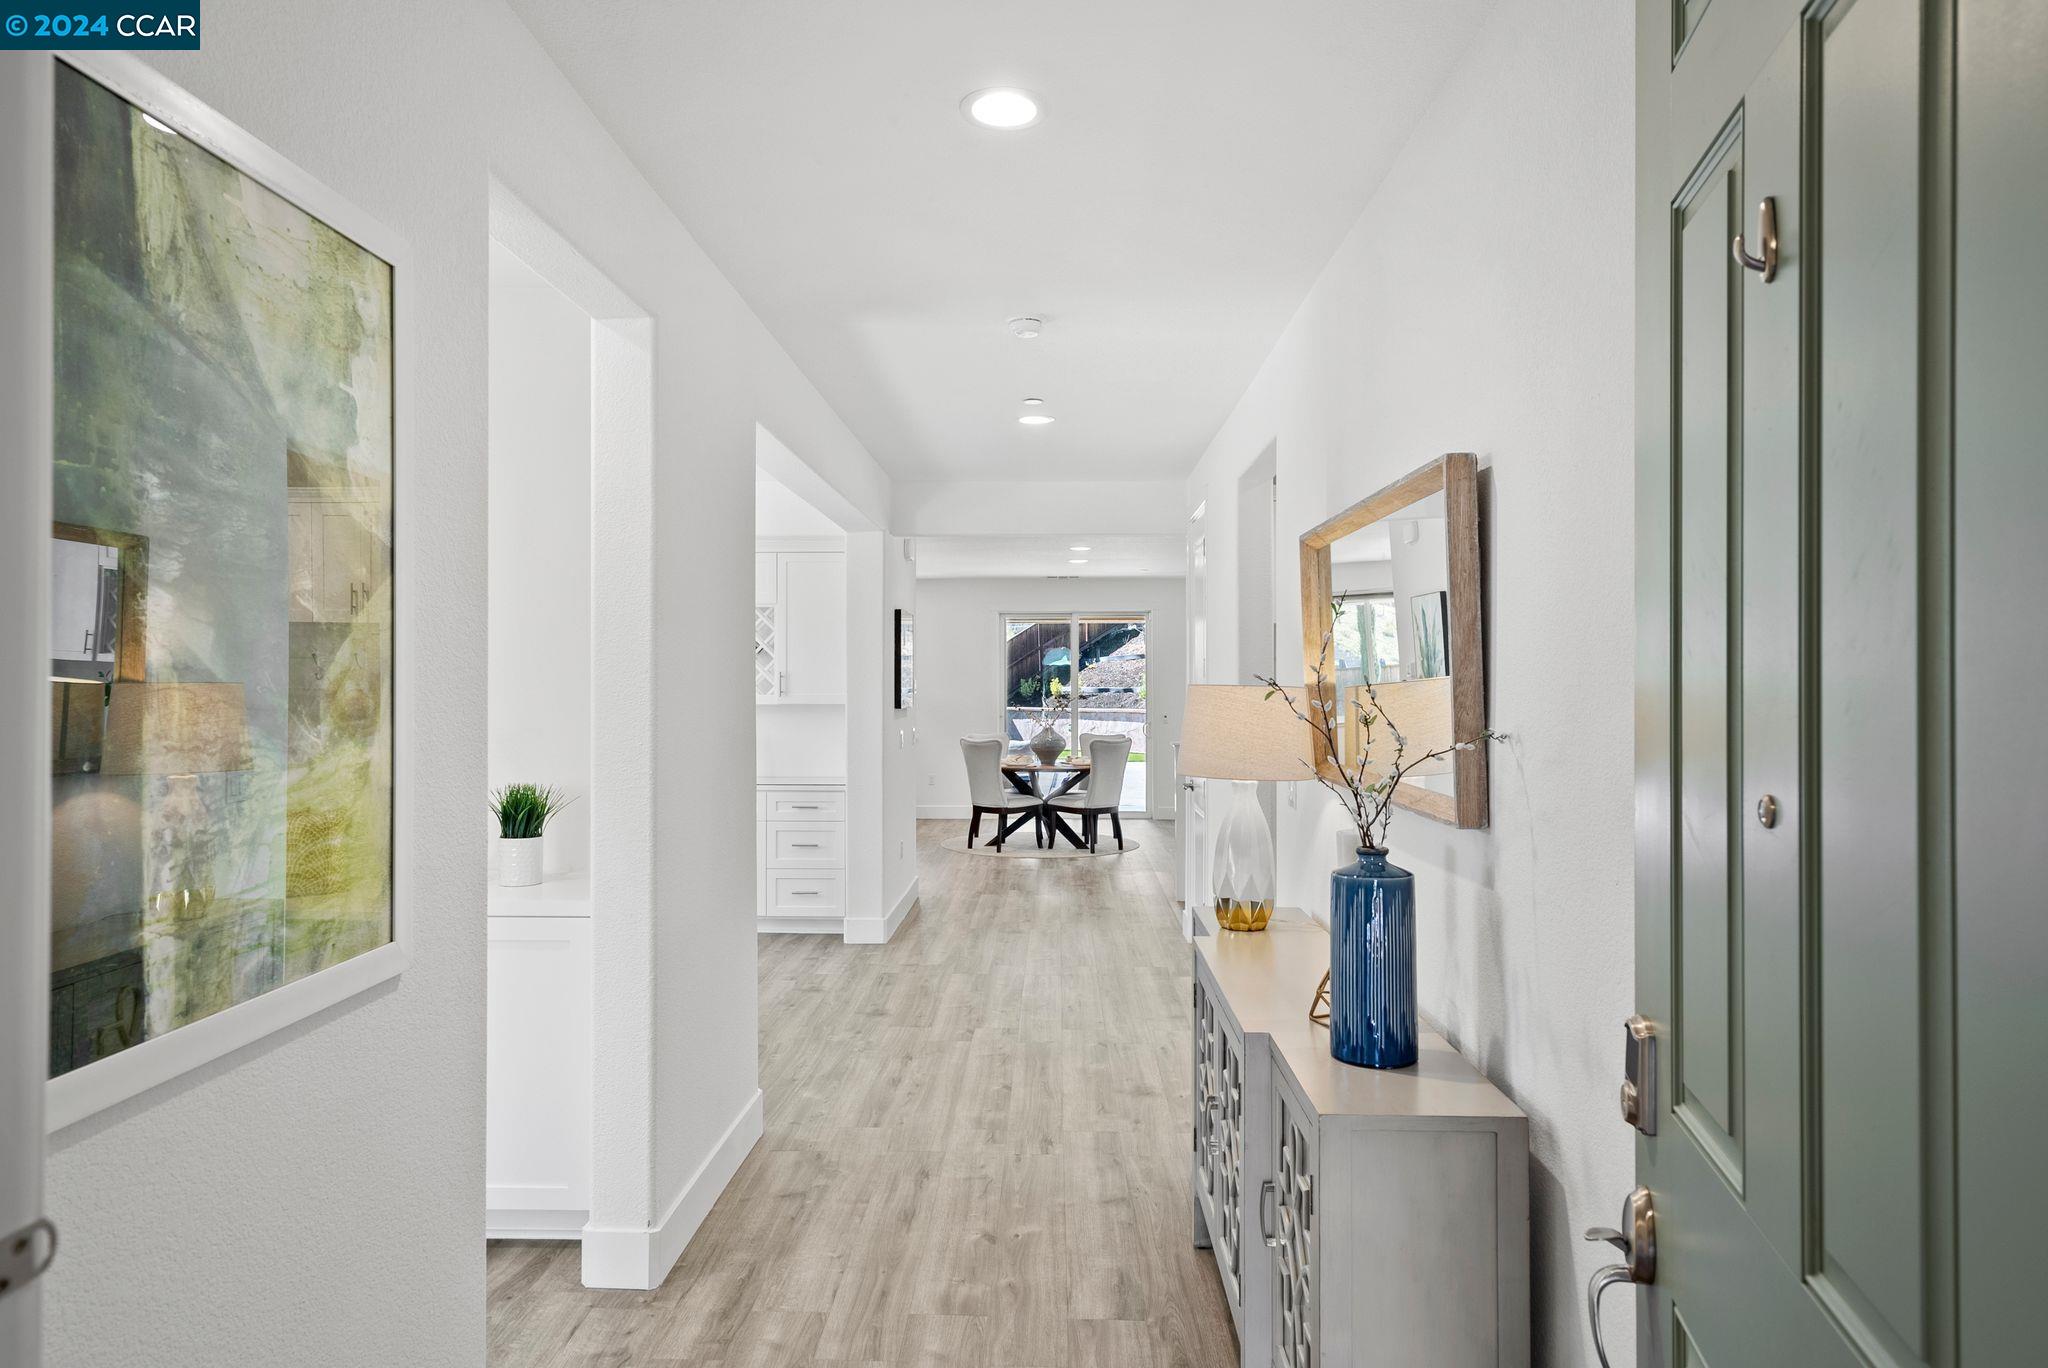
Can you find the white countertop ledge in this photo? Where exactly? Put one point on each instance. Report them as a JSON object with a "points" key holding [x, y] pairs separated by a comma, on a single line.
{"points": [[557, 895]]}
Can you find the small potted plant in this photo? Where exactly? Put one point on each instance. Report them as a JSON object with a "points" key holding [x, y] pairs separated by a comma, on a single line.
{"points": [[1370, 988], [523, 812]]}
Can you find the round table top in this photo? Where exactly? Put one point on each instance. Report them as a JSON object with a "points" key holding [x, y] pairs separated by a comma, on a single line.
{"points": [[1024, 762]]}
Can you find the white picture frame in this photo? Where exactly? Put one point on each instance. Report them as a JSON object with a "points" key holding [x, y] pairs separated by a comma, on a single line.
{"points": [[129, 1073]]}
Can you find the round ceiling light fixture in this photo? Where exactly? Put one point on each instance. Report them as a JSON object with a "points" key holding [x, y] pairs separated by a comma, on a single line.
{"points": [[1080, 548], [1077, 562], [1034, 419], [1026, 327], [1034, 403], [1003, 108]]}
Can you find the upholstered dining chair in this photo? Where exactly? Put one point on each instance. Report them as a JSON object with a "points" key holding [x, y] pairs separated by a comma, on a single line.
{"points": [[992, 794], [1104, 788]]}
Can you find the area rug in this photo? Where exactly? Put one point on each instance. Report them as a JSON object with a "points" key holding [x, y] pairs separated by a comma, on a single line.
{"points": [[1019, 847]]}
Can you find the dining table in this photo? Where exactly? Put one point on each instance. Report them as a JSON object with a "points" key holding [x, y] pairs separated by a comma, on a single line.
{"points": [[1023, 768]]}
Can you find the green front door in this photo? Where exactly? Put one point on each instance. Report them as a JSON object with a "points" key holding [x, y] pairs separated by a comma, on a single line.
{"points": [[1805, 571]]}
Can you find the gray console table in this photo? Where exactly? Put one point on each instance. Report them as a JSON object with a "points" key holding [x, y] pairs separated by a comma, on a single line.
{"points": [[1357, 1216]]}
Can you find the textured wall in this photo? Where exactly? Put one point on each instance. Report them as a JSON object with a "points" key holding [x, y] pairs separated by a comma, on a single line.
{"points": [[317, 1199], [1483, 303], [540, 648]]}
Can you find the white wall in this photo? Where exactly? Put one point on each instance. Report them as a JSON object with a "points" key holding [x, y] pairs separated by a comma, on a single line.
{"points": [[1483, 303], [538, 686], [317, 1198], [960, 670]]}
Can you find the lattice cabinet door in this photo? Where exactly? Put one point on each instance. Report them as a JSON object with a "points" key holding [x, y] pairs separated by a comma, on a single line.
{"points": [[1205, 1093], [764, 651], [1294, 1263], [1229, 1140]]}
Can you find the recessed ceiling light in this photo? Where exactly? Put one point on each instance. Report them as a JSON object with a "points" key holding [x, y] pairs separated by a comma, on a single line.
{"points": [[1080, 548], [1035, 419], [1077, 562], [1034, 402], [1026, 327], [1003, 108]]}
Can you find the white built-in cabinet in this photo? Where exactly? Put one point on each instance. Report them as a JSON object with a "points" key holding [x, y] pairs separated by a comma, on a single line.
{"points": [[538, 1061], [799, 626], [802, 851]]}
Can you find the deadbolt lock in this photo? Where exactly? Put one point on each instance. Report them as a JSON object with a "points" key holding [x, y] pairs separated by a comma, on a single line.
{"points": [[1639, 1080]]}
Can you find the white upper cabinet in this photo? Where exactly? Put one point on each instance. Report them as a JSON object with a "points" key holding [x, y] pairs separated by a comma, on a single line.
{"points": [[800, 627]]}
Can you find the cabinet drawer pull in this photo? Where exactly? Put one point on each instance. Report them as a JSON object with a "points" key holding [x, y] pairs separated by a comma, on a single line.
{"points": [[803, 892], [1267, 1201], [803, 845]]}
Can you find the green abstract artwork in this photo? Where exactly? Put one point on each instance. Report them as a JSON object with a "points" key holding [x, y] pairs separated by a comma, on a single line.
{"points": [[221, 657]]}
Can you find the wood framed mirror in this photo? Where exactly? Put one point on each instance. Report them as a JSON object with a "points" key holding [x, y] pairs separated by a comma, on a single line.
{"points": [[1390, 597]]}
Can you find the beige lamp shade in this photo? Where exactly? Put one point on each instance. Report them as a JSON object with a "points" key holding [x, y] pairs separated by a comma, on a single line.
{"points": [[1234, 731], [175, 729]]}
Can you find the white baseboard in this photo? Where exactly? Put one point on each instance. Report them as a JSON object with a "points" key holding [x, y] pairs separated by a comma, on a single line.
{"points": [[944, 811], [800, 926], [507, 1224], [878, 930], [638, 1259]]}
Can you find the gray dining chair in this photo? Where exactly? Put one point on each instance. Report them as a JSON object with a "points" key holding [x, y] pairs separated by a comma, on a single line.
{"points": [[1102, 791], [992, 794]]}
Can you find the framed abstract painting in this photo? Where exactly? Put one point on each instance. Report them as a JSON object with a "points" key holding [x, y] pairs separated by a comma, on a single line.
{"points": [[227, 726]]}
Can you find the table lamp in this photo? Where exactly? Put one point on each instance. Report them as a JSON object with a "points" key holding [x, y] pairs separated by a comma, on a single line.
{"points": [[1236, 732]]}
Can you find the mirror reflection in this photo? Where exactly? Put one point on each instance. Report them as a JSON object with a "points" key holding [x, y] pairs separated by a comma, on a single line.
{"points": [[1390, 594]]}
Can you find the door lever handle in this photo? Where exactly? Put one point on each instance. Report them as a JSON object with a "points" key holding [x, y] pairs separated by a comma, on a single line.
{"points": [[1637, 1241], [1767, 237]]}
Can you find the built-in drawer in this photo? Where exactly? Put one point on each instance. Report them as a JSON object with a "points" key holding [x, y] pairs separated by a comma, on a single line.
{"points": [[804, 845], [804, 895], [803, 805]]}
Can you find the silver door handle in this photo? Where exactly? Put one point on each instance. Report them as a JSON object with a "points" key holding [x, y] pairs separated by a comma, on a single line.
{"points": [[1268, 1198], [1637, 1240]]}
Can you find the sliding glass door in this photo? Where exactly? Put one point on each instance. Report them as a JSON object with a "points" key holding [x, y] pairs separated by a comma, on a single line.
{"points": [[1082, 674]]}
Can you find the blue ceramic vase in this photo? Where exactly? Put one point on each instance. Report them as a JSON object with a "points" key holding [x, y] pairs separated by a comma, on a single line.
{"points": [[1372, 963]]}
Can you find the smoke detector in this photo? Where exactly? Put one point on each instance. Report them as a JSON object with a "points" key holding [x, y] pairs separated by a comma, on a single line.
{"points": [[1026, 327]]}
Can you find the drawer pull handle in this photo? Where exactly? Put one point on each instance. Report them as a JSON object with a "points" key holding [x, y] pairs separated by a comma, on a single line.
{"points": [[803, 807], [803, 892], [803, 845]]}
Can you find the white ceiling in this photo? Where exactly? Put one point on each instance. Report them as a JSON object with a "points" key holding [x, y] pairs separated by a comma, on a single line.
{"points": [[1197, 163], [1040, 557], [1375, 541]]}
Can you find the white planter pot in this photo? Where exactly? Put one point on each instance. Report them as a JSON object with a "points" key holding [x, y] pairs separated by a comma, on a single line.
{"points": [[519, 862]]}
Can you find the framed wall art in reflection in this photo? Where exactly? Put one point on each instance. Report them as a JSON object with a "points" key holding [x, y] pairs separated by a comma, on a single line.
{"points": [[229, 437], [906, 657]]}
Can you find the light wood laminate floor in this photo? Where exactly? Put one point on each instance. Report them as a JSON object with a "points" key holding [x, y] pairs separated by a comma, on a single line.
{"points": [[976, 1150]]}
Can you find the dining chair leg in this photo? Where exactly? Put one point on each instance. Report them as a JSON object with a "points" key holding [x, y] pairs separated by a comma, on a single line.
{"points": [[1116, 824], [1038, 828], [973, 828], [1091, 833]]}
